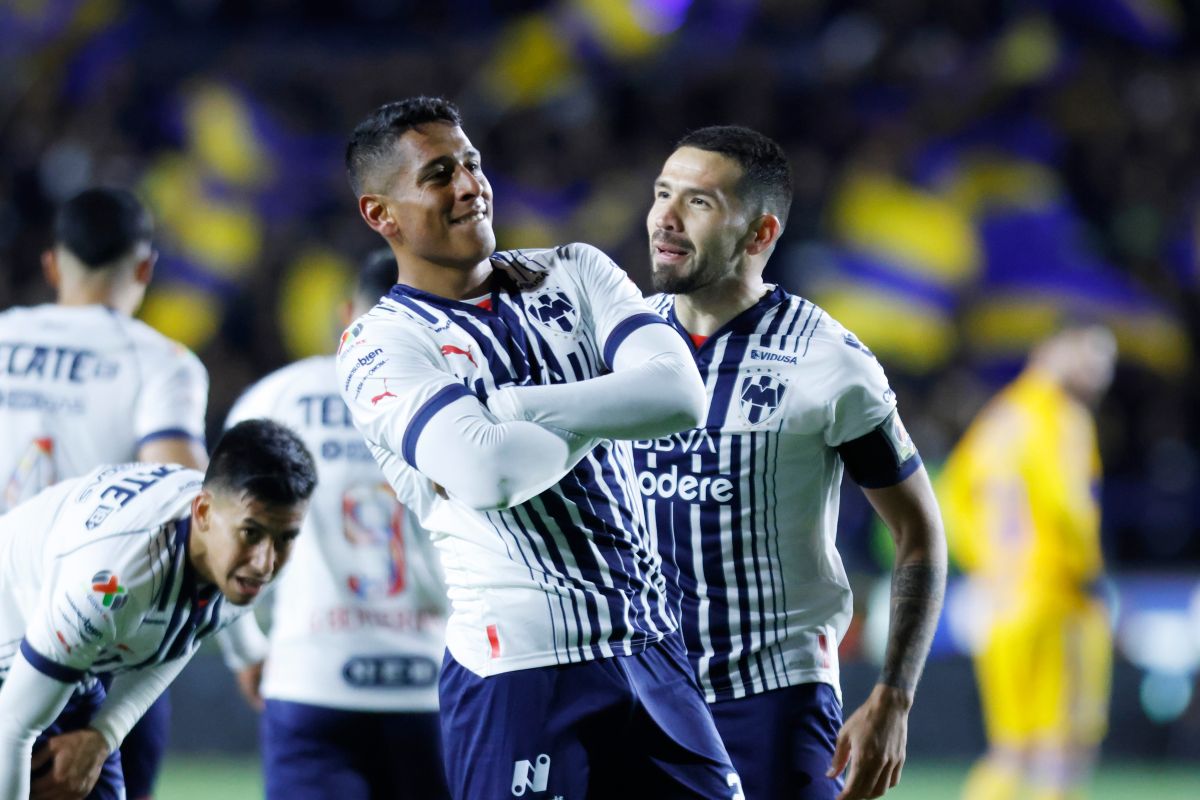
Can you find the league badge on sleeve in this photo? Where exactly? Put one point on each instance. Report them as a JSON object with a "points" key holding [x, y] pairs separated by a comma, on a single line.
{"points": [[109, 587]]}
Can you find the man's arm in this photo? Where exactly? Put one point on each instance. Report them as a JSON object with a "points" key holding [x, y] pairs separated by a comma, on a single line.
{"points": [[245, 648], [654, 390], [30, 700], [875, 736]]}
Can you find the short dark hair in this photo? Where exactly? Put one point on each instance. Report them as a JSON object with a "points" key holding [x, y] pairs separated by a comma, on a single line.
{"points": [[767, 175], [373, 141], [264, 459], [100, 225], [376, 276]]}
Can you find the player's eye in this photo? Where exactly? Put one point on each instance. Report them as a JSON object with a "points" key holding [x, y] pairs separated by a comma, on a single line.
{"points": [[475, 167], [701, 202]]}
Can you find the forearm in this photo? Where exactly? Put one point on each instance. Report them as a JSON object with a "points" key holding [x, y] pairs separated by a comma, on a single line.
{"points": [[654, 390], [128, 698], [918, 588], [487, 464], [242, 643], [29, 703]]}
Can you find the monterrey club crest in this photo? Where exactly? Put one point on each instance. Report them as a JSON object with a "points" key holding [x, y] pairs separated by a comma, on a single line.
{"points": [[554, 310], [759, 396]]}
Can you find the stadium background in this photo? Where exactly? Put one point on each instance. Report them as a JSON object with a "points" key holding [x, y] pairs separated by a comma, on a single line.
{"points": [[964, 170]]}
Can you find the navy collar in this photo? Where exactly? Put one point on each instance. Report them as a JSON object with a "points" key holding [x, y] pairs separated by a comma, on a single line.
{"points": [[500, 283], [742, 324]]}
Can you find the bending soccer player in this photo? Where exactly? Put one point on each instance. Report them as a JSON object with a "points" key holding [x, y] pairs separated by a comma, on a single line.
{"points": [[83, 384], [745, 507], [123, 571], [1023, 517], [504, 378], [358, 621]]}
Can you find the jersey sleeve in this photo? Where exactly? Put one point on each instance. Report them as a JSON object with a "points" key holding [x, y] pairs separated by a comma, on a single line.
{"points": [[173, 397], [864, 423], [393, 387], [617, 305], [92, 596]]}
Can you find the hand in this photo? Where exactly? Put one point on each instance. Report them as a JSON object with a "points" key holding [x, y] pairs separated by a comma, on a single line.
{"points": [[76, 760], [874, 738], [249, 682]]}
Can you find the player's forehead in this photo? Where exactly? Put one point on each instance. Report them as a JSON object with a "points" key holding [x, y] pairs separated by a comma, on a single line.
{"points": [[418, 148], [245, 509], [700, 170]]}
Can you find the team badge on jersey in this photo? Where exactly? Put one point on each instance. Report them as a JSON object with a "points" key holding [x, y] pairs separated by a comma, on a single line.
{"points": [[554, 310], [760, 396], [109, 587]]}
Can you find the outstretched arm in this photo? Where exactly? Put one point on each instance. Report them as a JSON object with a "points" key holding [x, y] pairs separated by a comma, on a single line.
{"points": [[875, 736], [30, 700]]}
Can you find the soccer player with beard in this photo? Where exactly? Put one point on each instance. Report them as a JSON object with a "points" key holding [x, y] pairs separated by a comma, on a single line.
{"points": [[510, 379], [744, 508]]}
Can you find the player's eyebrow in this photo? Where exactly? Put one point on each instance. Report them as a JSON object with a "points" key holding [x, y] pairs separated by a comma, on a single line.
{"points": [[686, 190]]}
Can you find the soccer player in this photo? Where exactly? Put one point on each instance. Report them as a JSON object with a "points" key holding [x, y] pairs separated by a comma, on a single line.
{"points": [[744, 508], [1022, 514], [83, 384], [504, 378], [123, 571], [358, 621]]}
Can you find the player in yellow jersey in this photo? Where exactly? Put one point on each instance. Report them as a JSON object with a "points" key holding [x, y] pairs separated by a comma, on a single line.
{"points": [[1020, 499]]}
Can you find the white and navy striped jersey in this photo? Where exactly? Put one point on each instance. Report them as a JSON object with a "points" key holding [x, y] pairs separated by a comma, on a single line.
{"points": [[568, 575], [95, 576], [359, 616], [82, 386], [744, 509]]}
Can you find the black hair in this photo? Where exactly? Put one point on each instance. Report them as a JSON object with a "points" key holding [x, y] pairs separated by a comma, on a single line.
{"points": [[101, 225], [766, 173], [372, 144], [264, 459], [376, 276]]}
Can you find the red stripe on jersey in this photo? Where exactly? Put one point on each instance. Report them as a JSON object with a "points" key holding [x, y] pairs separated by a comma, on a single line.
{"points": [[485, 304], [494, 640], [698, 340]]}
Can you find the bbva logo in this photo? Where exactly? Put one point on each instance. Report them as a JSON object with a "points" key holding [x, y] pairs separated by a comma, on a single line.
{"points": [[760, 397]]}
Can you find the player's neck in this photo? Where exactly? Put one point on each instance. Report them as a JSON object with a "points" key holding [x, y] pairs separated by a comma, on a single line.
{"points": [[100, 293], [454, 283], [705, 310]]}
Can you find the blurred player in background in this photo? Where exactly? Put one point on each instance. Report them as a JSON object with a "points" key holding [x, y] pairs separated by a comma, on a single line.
{"points": [[745, 508], [1020, 493], [358, 621], [84, 384], [503, 378], [122, 572]]}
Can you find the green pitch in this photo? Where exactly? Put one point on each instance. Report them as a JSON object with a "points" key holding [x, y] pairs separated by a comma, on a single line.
{"points": [[205, 779]]}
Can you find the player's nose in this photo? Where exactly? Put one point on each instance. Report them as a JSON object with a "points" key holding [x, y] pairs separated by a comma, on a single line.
{"points": [[665, 216], [263, 558]]}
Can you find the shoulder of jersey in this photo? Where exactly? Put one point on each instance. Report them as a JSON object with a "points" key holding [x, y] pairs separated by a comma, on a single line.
{"points": [[151, 342], [661, 303], [828, 337], [304, 375], [127, 497], [530, 268]]}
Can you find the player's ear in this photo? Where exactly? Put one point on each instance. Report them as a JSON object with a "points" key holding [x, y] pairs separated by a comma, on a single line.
{"points": [[50, 269], [765, 232], [202, 510], [375, 213], [144, 270]]}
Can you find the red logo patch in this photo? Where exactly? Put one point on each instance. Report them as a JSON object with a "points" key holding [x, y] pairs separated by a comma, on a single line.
{"points": [[449, 350]]}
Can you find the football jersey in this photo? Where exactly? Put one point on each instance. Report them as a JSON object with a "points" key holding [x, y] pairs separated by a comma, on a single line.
{"points": [[82, 386], [744, 510], [1020, 494], [358, 615], [95, 576], [568, 575]]}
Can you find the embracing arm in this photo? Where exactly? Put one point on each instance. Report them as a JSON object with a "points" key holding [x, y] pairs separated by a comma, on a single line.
{"points": [[654, 390]]}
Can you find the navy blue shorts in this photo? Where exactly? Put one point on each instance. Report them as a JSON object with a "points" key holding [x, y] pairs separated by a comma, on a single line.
{"points": [[782, 741], [76, 715], [315, 753], [628, 726], [143, 749]]}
